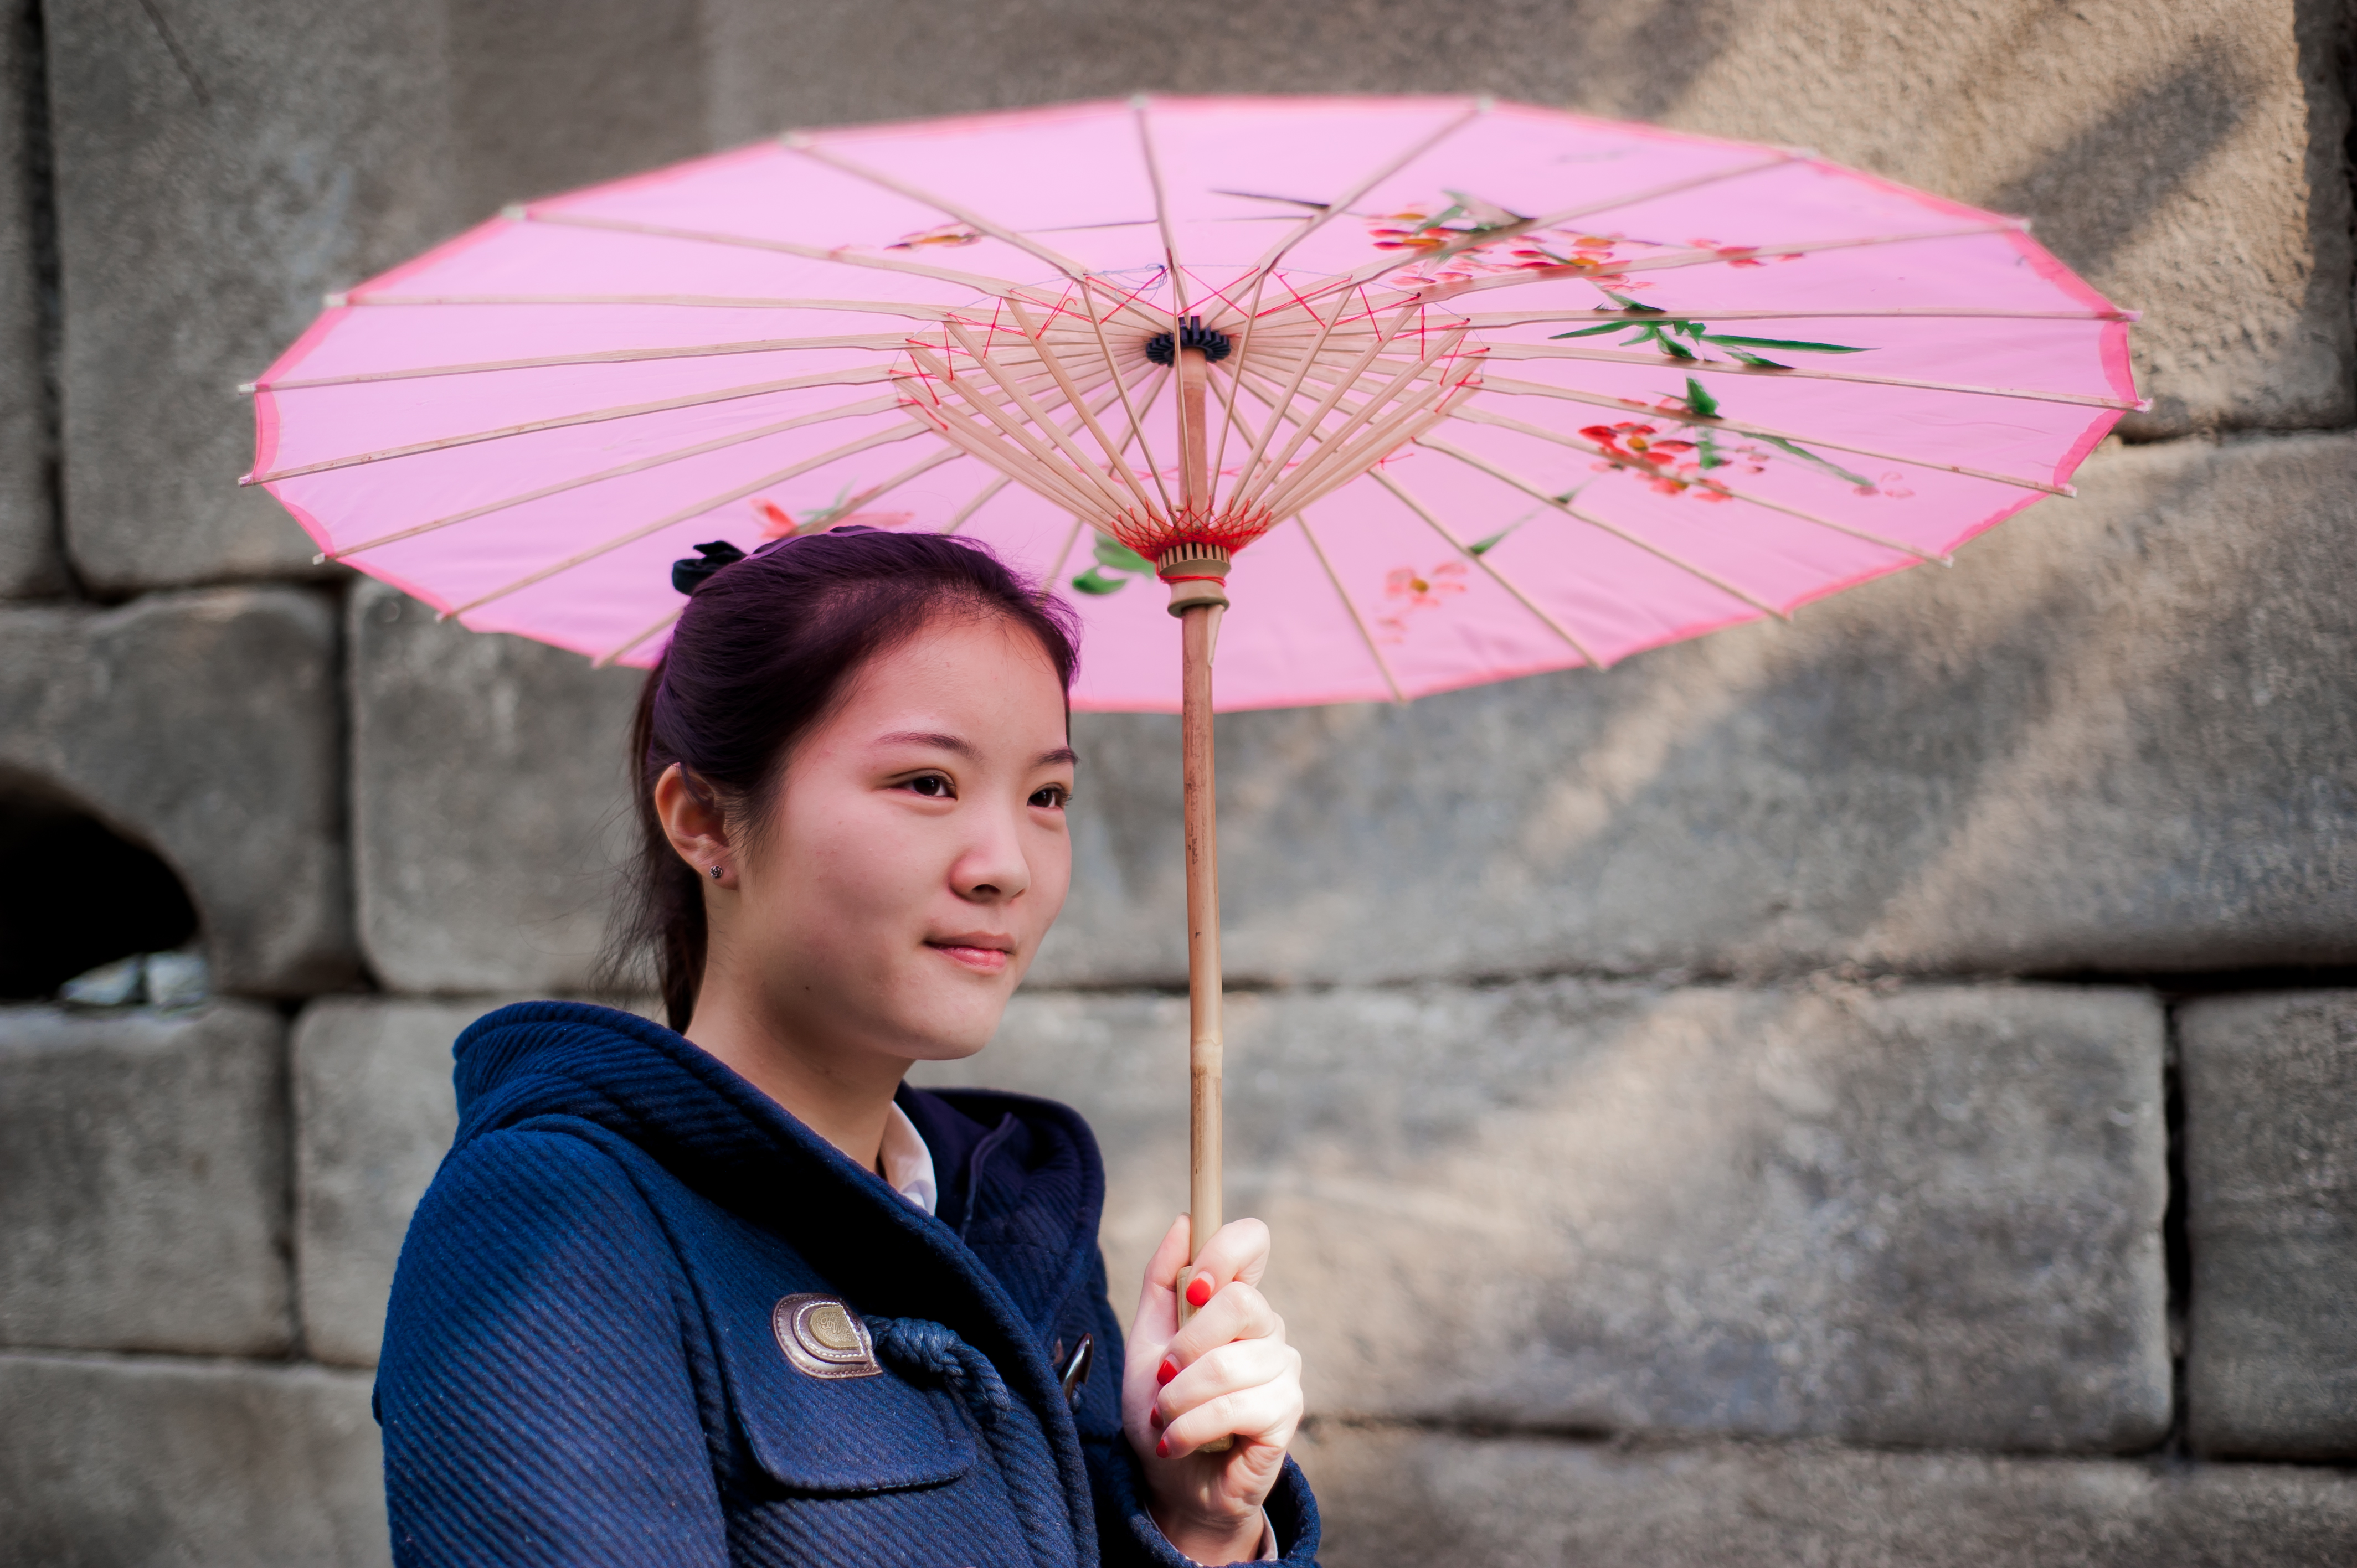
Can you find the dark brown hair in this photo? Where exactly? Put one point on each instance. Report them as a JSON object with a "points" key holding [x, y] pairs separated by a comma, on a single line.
{"points": [[762, 652]]}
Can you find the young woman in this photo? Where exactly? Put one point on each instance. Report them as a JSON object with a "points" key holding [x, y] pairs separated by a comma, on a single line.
{"points": [[737, 1293]]}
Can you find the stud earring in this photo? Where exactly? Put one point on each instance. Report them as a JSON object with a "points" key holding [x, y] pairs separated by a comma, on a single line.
{"points": [[716, 873]]}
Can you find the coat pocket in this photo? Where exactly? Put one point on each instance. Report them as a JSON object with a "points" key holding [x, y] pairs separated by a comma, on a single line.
{"points": [[814, 1429]]}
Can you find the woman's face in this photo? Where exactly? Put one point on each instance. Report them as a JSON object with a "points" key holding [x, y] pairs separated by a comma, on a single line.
{"points": [[915, 854]]}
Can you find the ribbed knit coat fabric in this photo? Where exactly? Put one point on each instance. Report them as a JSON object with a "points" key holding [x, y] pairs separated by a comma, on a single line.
{"points": [[580, 1366]]}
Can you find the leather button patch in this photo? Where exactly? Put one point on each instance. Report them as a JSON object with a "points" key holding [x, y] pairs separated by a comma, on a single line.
{"points": [[824, 1338]]}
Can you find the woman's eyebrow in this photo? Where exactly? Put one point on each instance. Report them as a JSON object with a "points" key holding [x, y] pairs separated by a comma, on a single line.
{"points": [[956, 746], [948, 743]]}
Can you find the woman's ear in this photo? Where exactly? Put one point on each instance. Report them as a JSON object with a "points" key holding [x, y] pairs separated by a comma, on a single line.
{"points": [[692, 820]]}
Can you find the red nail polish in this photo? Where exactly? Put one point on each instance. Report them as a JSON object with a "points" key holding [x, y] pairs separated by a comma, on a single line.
{"points": [[1162, 1449], [1167, 1370], [1158, 1419], [1199, 1290]]}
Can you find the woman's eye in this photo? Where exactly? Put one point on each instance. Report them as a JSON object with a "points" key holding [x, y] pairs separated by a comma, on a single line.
{"points": [[1051, 798], [932, 786]]}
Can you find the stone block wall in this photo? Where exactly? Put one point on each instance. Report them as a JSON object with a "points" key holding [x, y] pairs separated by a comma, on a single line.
{"points": [[1876, 1090]]}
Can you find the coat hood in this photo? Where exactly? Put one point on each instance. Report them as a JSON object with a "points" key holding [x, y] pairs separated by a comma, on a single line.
{"points": [[1022, 1182]]}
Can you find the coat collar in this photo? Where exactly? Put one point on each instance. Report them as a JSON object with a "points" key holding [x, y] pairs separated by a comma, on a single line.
{"points": [[1023, 1183]]}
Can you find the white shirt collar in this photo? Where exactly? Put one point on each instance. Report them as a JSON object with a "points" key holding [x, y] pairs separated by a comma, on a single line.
{"points": [[908, 1163]]}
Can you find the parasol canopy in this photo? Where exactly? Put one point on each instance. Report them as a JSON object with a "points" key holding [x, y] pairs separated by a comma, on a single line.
{"points": [[1490, 389]]}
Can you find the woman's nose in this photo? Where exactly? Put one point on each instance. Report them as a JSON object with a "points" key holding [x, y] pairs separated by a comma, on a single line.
{"points": [[992, 867]]}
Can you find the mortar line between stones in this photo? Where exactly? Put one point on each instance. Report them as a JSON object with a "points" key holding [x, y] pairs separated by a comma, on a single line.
{"points": [[31, 23], [1640, 1441], [2176, 1243], [2166, 984]]}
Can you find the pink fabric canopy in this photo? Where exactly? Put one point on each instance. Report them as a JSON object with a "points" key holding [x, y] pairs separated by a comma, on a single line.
{"points": [[1508, 390]]}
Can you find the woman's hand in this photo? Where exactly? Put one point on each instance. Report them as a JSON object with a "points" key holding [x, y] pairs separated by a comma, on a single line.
{"points": [[1229, 1372]]}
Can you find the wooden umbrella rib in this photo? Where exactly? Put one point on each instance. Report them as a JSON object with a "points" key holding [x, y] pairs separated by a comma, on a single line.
{"points": [[1403, 432], [1250, 484], [1325, 329], [1310, 225], [1088, 416], [1716, 368], [1129, 409], [1912, 312], [1290, 484], [1048, 583], [997, 483], [1042, 455], [1481, 559], [865, 377], [696, 509], [1040, 478], [1060, 439], [599, 357], [847, 257], [1341, 204], [1162, 222], [809, 147], [883, 487], [1348, 605], [1018, 458], [1337, 453], [1510, 387], [1705, 256], [1644, 465], [668, 616], [1333, 445], [695, 300], [1672, 557], [1603, 273], [1374, 270], [735, 438]]}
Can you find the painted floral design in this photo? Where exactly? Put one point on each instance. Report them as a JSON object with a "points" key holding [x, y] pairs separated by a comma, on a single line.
{"points": [[777, 522], [1411, 591], [1681, 455]]}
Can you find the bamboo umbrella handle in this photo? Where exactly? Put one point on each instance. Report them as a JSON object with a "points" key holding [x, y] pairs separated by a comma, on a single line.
{"points": [[1197, 573], [1205, 1043]]}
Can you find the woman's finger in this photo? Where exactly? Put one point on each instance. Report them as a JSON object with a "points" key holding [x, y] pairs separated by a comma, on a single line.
{"points": [[1237, 1250], [1266, 1415], [1161, 1282], [1230, 1368], [1237, 1312]]}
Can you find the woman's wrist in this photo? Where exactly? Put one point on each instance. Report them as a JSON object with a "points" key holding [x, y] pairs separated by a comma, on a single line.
{"points": [[1211, 1541]]}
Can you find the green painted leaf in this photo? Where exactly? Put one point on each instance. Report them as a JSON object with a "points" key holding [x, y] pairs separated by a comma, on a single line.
{"points": [[1699, 402], [1594, 331], [1625, 303], [1827, 463], [1757, 362], [1116, 556], [1729, 340], [1095, 582], [1483, 547], [1675, 349]]}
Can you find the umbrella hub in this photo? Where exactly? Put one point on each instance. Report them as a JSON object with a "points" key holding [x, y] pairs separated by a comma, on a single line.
{"points": [[1163, 349], [1196, 572]]}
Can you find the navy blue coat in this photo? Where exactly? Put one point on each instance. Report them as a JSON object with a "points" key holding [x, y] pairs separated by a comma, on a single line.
{"points": [[580, 1365]]}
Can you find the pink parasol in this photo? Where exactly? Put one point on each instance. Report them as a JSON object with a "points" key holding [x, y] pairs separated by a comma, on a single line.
{"points": [[1438, 391]]}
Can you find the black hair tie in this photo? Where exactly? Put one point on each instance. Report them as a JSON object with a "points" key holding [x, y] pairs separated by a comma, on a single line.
{"points": [[692, 573]]}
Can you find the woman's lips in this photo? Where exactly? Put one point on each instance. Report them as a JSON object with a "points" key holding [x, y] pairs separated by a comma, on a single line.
{"points": [[979, 959]]}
